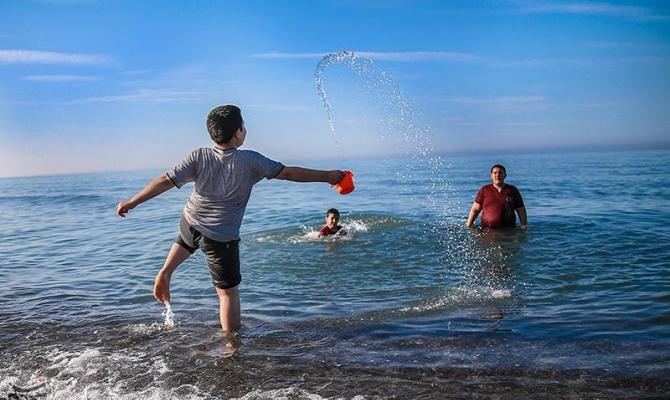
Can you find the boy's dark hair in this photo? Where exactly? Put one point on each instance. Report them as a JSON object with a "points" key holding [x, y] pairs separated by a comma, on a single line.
{"points": [[499, 166], [223, 122], [333, 211]]}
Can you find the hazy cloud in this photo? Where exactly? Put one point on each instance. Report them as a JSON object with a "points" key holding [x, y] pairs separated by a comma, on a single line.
{"points": [[580, 62], [498, 104], [60, 78], [593, 8], [504, 100], [149, 96], [411, 56], [50, 57], [281, 107]]}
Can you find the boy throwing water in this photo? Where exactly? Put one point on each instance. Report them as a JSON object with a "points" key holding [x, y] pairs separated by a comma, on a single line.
{"points": [[211, 219]]}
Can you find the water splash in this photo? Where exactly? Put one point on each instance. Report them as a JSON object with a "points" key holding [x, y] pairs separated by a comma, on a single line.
{"points": [[169, 316], [399, 118], [461, 254], [326, 61]]}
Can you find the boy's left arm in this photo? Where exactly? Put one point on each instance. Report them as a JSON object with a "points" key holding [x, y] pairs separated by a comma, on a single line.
{"points": [[159, 185], [299, 174]]}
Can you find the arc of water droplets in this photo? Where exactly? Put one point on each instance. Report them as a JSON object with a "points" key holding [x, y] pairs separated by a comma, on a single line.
{"points": [[456, 243], [382, 85]]}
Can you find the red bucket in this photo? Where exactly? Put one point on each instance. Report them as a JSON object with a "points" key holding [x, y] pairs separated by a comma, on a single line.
{"points": [[346, 185]]}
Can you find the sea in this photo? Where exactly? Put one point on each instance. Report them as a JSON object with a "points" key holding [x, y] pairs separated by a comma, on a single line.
{"points": [[410, 304]]}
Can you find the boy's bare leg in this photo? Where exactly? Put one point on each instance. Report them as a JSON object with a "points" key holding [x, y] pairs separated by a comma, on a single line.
{"points": [[229, 309], [175, 257]]}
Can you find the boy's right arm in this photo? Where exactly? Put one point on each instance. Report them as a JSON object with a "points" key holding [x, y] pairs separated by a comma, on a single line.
{"points": [[159, 185], [299, 174]]}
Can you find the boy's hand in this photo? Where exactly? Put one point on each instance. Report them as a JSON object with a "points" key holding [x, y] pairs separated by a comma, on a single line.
{"points": [[123, 207], [335, 176], [162, 288]]}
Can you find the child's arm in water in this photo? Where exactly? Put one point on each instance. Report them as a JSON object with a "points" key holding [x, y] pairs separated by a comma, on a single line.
{"points": [[299, 174], [159, 185]]}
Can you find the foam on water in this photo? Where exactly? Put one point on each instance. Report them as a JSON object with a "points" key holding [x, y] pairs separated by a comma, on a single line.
{"points": [[349, 231], [95, 373], [460, 297], [354, 228], [91, 374], [291, 393], [145, 329]]}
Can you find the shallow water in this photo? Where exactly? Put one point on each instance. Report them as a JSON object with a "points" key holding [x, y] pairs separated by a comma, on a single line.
{"points": [[409, 305]]}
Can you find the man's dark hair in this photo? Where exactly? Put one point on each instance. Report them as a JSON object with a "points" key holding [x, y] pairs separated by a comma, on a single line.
{"points": [[499, 166], [333, 211], [223, 122]]}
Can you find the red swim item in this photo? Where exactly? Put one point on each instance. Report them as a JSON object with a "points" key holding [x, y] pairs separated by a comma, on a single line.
{"points": [[346, 185]]}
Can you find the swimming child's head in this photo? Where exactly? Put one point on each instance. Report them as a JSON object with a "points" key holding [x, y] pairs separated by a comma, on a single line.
{"points": [[332, 218], [223, 122]]}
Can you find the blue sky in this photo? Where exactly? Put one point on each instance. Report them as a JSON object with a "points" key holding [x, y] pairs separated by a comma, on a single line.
{"points": [[117, 85]]}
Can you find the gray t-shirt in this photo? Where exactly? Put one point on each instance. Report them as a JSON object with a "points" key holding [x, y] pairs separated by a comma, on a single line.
{"points": [[223, 182]]}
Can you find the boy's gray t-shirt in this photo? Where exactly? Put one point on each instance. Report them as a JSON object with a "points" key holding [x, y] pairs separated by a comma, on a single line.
{"points": [[223, 182]]}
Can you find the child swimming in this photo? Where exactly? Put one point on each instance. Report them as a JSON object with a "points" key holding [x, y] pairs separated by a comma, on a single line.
{"points": [[332, 227]]}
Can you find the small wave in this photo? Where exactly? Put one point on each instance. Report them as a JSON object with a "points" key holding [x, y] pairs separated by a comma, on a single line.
{"points": [[353, 226], [463, 297], [291, 393], [52, 199], [92, 374], [349, 230], [147, 329]]}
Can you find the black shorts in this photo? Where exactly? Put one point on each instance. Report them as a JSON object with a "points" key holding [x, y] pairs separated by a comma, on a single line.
{"points": [[223, 258]]}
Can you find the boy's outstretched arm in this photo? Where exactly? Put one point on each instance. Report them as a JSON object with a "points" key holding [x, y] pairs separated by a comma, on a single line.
{"points": [[299, 174], [159, 185]]}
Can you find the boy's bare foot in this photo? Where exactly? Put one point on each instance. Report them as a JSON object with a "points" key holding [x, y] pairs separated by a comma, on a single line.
{"points": [[231, 343], [162, 288]]}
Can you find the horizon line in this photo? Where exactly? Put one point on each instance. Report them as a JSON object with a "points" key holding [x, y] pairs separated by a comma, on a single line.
{"points": [[455, 153]]}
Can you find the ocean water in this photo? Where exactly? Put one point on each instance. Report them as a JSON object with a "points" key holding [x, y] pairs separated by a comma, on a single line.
{"points": [[409, 305]]}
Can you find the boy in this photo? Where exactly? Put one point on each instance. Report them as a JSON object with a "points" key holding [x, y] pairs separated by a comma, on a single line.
{"points": [[211, 219], [332, 227]]}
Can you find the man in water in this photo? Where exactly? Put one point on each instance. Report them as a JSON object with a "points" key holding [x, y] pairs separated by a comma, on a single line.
{"points": [[498, 202]]}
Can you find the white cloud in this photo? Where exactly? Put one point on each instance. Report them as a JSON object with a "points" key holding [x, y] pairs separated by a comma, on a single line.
{"points": [[281, 107], [289, 56], [137, 72], [144, 95], [50, 57], [504, 100], [410, 56], [581, 62], [421, 56], [594, 8], [505, 104], [61, 78]]}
